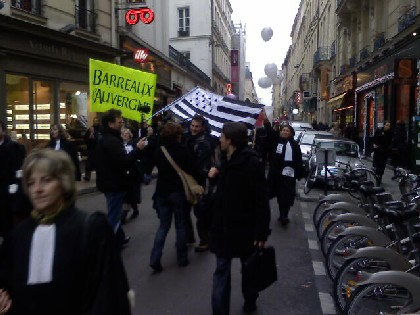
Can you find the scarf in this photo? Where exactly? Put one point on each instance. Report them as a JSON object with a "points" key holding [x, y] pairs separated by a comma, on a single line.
{"points": [[48, 219], [288, 155]]}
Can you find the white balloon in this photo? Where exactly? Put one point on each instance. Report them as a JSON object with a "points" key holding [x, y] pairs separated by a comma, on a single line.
{"points": [[270, 70], [267, 33], [265, 82]]}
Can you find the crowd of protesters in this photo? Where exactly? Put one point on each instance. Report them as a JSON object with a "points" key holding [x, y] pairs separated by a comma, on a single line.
{"points": [[232, 217]]}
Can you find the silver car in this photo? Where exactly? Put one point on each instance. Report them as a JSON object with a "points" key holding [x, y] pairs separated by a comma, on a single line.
{"points": [[347, 158], [306, 143]]}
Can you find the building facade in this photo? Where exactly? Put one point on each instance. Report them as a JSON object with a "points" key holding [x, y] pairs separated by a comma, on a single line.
{"points": [[360, 59]]}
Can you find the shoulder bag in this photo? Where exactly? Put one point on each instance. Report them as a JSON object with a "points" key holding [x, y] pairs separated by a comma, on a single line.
{"points": [[193, 191]]}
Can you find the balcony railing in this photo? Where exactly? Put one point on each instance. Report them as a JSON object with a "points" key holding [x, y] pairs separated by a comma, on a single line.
{"points": [[333, 49], [364, 52], [352, 61], [85, 19], [181, 60], [379, 40], [407, 19], [322, 54], [31, 6]]}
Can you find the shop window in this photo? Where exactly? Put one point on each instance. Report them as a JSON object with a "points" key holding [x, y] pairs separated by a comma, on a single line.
{"points": [[26, 122], [379, 98]]}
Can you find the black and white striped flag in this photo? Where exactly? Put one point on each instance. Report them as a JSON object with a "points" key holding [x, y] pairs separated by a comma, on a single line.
{"points": [[215, 108]]}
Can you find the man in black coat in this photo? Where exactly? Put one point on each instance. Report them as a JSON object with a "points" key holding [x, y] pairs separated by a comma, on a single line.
{"points": [[198, 142], [112, 163], [12, 199], [382, 141], [240, 216]]}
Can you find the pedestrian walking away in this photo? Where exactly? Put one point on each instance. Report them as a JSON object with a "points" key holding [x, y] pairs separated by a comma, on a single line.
{"points": [[382, 141], [286, 167], [60, 260], [240, 215], [169, 197], [112, 164]]}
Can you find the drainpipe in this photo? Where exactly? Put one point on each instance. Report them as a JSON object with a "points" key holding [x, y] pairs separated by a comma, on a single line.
{"points": [[212, 43]]}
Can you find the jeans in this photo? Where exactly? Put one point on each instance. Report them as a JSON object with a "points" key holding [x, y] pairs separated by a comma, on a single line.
{"points": [[114, 203], [176, 204], [220, 298]]}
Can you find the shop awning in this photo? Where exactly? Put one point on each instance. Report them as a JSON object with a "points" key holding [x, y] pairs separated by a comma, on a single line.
{"points": [[336, 100]]}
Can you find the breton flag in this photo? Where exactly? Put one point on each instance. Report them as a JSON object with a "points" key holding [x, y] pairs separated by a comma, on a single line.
{"points": [[215, 108]]}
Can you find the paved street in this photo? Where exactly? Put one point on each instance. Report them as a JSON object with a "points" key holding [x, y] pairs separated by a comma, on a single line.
{"points": [[303, 286], [181, 291]]}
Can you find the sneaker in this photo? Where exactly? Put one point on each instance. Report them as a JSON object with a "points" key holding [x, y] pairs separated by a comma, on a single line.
{"points": [[157, 267], [126, 240], [250, 306], [201, 248]]}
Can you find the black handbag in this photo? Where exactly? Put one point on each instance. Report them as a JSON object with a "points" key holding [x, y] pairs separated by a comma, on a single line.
{"points": [[260, 269]]}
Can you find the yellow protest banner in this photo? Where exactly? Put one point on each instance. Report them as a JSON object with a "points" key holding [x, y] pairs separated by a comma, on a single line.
{"points": [[129, 90]]}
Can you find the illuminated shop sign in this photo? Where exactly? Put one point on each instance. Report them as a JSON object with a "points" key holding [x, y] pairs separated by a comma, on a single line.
{"points": [[141, 54], [145, 15], [228, 88]]}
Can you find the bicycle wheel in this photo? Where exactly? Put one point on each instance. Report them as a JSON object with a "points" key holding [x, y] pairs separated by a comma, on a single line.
{"points": [[325, 219], [331, 233], [378, 299], [319, 209], [309, 182], [365, 174], [341, 248], [345, 282]]}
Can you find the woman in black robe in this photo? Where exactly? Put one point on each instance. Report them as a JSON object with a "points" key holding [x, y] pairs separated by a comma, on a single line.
{"points": [[60, 260], [286, 167]]}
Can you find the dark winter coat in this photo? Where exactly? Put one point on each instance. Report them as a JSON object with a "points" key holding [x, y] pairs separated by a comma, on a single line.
{"points": [[168, 180], [134, 178], [201, 148], [68, 147], [112, 162], [241, 211], [88, 274], [383, 139], [281, 186]]}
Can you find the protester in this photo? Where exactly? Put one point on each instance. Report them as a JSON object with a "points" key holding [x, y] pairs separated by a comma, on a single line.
{"points": [[399, 145], [169, 196], [134, 179], [286, 167], [13, 204], [91, 137], [382, 141], [240, 216], [59, 141], [112, 163], [199, 143], [60, 260]]}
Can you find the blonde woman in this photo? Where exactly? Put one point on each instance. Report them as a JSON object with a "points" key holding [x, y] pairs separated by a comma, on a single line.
{"points": [[60, 260]]}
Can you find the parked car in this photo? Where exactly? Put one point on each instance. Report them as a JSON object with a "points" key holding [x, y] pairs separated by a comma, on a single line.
{"points": [[300, 125], [347, 157], [306, 141]]}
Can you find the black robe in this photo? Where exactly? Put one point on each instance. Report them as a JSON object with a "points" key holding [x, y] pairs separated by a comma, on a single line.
{"points": [[88, 274]]}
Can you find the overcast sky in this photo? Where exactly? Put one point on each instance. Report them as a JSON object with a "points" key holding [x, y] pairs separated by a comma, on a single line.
{"points": [[279, 15]]}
